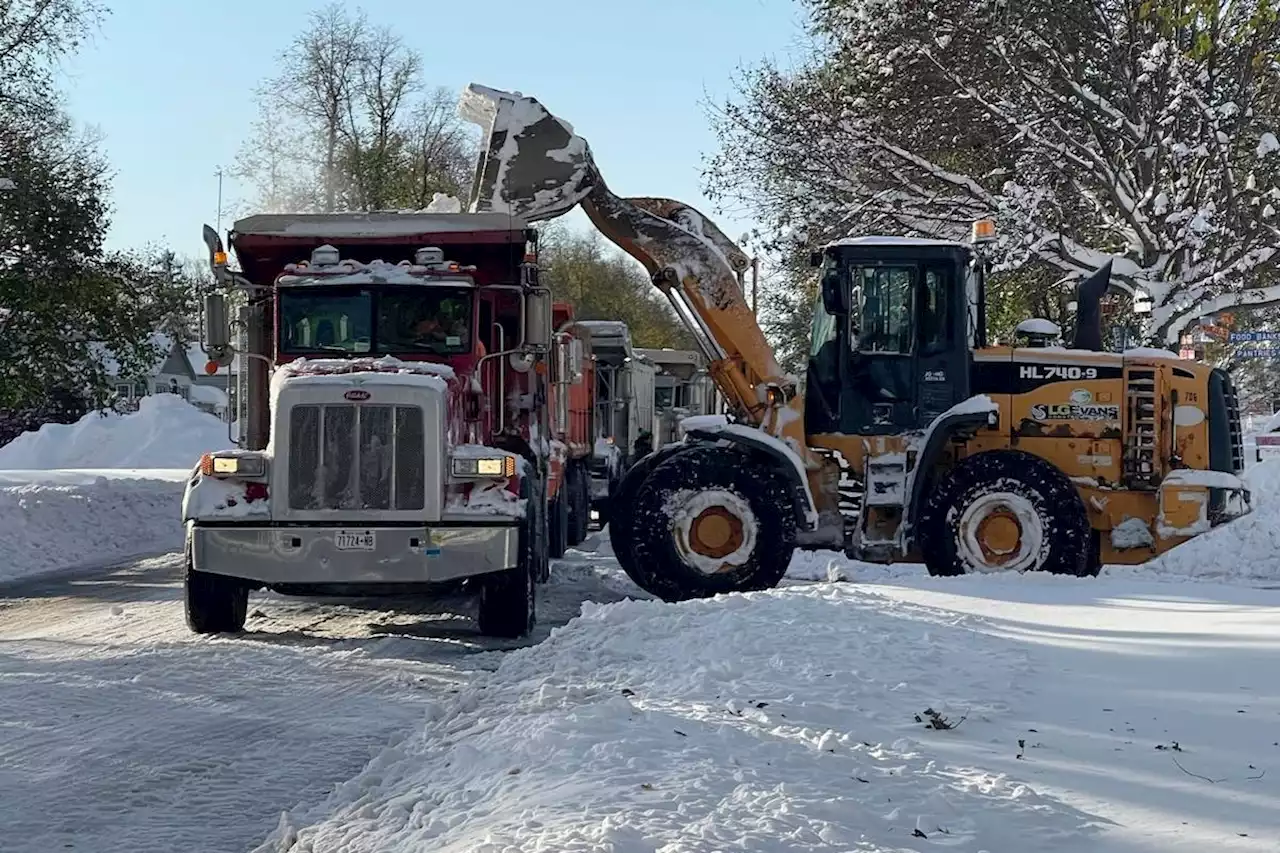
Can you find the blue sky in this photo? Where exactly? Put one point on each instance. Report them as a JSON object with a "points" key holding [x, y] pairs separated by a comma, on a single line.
{"points": [[171, 85]]}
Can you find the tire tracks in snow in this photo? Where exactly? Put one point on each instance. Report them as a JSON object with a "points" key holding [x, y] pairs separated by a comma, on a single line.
{"points": [[121, 731]]}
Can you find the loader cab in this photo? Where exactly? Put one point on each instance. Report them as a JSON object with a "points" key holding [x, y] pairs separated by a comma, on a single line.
{"points": [[895, 322]]}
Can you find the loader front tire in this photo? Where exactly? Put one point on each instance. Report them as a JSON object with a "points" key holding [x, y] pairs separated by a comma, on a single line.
{"points": [[706, 521], [1004, 510]]}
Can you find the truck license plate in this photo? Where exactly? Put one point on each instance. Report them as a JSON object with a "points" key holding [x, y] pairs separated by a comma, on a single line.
{"points": [[353, 540]]}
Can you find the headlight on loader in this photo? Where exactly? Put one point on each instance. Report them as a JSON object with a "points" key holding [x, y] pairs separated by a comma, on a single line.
{"points": [[495, 466]]}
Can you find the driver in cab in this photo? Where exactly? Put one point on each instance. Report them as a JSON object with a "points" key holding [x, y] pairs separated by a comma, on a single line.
{"points": [[439, 327]]}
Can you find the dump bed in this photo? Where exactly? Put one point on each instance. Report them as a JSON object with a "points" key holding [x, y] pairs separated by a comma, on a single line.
{"points": [[494, 243]]}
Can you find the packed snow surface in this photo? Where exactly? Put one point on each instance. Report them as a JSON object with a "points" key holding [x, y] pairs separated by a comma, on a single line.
{"points": [[165, 432], [817, 718]]}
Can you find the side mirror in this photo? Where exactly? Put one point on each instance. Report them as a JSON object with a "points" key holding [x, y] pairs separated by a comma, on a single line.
{"points": [[217, 331], [576, 366], [537, 319], [835, 296], [563, 367], [815, 259]]}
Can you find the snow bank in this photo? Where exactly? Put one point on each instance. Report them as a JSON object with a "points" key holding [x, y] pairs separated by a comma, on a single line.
{"points": [[1246, 549], [51, 521], [165, 432], [642, 726]]}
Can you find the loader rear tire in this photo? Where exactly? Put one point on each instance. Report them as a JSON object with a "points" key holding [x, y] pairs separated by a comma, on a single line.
{"points": [[1004, 510], [706, 521]]}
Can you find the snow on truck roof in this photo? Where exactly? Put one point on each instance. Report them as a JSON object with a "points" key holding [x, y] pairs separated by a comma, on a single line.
{"points": [[379, 224], [878, 240]]}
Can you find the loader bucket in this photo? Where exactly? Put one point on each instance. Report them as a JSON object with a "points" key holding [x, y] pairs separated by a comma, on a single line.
{"points": [[531, 165]]}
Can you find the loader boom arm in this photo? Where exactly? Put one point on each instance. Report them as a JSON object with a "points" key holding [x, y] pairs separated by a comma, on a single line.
{"points": [[534, 166]]}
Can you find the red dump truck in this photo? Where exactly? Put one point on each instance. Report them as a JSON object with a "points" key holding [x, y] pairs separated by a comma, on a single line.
{"points": [[416, 409]]}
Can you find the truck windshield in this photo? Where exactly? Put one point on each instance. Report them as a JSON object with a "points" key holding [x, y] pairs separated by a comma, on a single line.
{"points": [[326, 320], [427, 319]]}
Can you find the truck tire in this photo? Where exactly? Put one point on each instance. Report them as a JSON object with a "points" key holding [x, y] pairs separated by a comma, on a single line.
{"points": [[1004, 510], [508, 599], [558, 522], [575, 509], [580, 517], [214, 604], [706, 521]]}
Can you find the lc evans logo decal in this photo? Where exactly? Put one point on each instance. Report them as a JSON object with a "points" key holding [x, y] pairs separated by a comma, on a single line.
{"points": [[357, 395], [1081, 408]]}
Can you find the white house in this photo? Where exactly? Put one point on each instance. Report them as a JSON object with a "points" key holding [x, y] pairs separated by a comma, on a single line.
{"points": [[172, 373]]}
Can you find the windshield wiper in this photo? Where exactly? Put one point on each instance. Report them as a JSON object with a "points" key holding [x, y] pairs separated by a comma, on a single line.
{"points": [[435, 348]]}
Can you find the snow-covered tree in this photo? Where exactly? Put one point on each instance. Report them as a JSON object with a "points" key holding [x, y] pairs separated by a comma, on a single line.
{"points": [[1141, 132]]}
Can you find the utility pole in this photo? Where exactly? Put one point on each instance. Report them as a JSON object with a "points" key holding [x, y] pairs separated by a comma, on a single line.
{"points": [[218, 174]]}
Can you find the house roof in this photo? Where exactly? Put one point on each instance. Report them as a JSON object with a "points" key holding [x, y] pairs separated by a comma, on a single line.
{"points": [[161, 342]]}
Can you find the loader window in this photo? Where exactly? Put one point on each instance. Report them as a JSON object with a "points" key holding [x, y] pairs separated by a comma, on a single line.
{"points": [[823, 330], [937, 312], [886, 306]]}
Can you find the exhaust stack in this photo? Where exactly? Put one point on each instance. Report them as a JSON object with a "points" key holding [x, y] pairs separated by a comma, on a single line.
{"points": [[1088, 334]]}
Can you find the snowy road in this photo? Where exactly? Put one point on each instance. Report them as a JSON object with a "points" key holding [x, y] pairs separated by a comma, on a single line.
{"points": [[120, 731]]}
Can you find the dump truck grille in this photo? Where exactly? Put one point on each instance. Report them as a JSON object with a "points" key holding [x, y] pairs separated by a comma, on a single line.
{"points": [[349, 457]]}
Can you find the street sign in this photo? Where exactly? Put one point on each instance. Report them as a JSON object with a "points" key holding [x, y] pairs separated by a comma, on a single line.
{"points": [[1249, 337]]}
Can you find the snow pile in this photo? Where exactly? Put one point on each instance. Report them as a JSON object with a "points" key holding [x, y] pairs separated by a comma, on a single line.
{"points": [[644, 726], [165, 432], [74, 518], [1246, 549], [444, 203]]}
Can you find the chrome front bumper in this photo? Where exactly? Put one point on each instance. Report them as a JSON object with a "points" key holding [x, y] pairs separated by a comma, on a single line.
{"points": [[310, 555]]}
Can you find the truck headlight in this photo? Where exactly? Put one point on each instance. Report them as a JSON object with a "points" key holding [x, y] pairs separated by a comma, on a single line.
{"points": [[229, 465], [484, 466]]}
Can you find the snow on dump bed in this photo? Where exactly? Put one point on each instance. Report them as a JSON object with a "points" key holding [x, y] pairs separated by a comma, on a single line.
{"points": [[63, 519], [761, 722], [165, 432]]}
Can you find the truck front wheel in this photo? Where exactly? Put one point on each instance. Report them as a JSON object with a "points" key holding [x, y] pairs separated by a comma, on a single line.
{"points": [[214, 604], [508, 599], [709, 520]]}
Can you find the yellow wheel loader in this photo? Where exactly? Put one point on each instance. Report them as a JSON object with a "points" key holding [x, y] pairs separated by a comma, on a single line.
{"points": [[915, 440]]}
